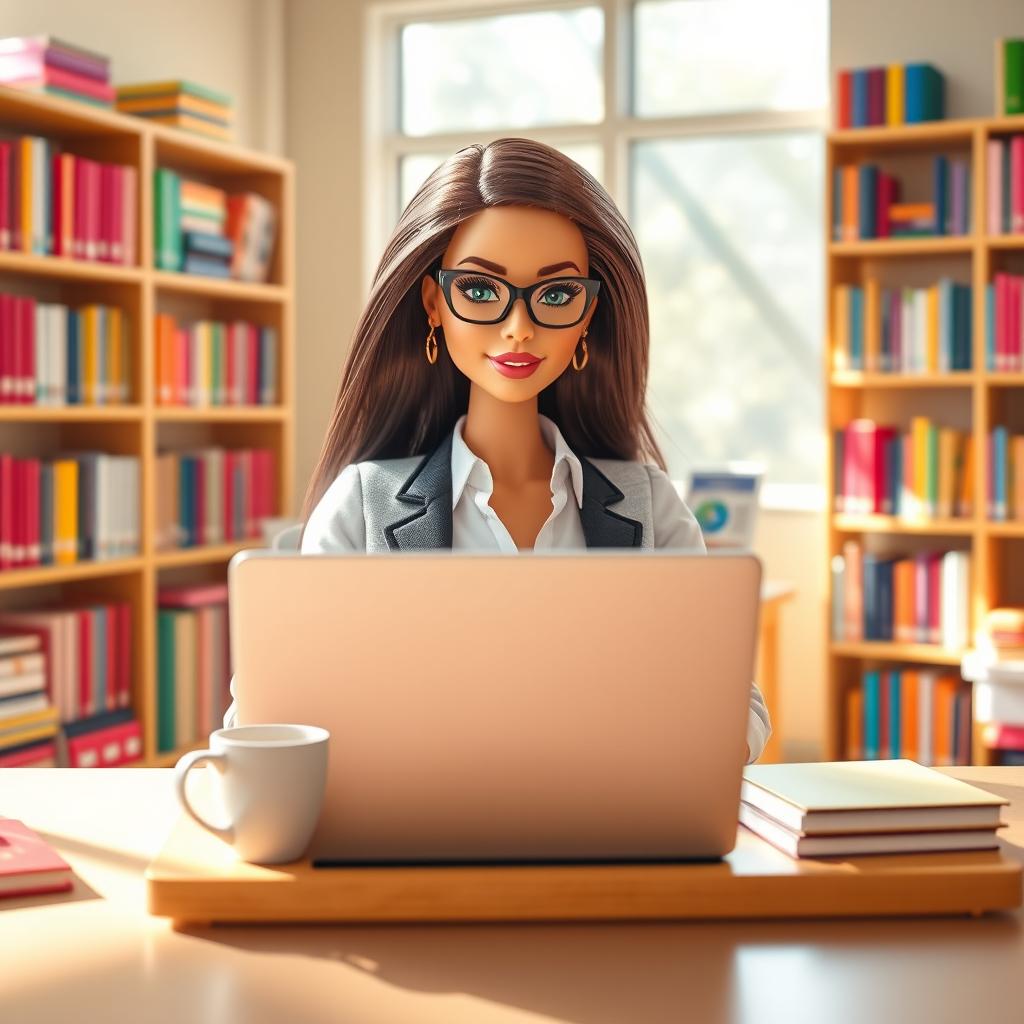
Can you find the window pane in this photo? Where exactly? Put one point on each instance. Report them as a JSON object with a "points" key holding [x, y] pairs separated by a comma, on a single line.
{"points": [[508, 71], [416, 168], [731, 234], [714, 56]]}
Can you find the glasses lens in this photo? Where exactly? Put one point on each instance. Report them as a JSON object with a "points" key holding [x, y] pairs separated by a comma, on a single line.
{"points": [[483, 299], [479, 297]]}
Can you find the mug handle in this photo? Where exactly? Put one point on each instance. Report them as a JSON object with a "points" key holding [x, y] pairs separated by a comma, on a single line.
{"points": [[187, 762]]}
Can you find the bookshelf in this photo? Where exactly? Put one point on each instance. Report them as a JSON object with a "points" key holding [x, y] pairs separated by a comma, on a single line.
{"points": [[974, 400], [143, 428]]}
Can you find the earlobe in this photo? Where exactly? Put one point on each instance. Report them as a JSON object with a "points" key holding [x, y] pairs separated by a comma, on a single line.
{"points": [[428, 292]]}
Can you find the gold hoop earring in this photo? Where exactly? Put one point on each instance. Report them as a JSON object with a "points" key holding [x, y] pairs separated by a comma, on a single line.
{"points": [[586, 355], [431, 347]]}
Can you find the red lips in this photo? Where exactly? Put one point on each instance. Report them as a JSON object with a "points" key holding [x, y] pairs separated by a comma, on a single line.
{"points": [[516, 357]]}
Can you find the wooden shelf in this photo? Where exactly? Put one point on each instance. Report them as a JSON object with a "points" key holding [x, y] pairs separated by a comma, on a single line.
{"points": [[143, 291], [11, 579], [896, 397], [931, 654], [194, 284], [69, 413], [894, 524], [862, 379], [938, 246], [204, 555], [221, 414], [69, 270]]}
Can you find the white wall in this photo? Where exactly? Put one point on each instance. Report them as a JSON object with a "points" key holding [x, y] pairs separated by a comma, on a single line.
{"points": [[233, 46]]}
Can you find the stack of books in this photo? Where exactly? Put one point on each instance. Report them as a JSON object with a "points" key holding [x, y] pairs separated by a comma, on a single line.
{"points": [[28, 721], [195, 108], [48, 65], [849, 808]]}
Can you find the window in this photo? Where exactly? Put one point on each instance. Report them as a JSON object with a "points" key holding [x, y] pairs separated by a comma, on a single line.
{"points": [[704, 119]]}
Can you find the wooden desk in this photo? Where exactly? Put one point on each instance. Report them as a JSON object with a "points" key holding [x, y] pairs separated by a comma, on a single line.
{"points": [[774, 593], [99, 957]]}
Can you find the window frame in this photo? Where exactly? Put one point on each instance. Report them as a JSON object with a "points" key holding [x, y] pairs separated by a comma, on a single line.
{"points": [[384, 145]]}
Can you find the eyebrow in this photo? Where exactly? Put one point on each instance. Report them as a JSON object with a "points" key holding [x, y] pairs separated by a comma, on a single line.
{"points": [[499, 269]]}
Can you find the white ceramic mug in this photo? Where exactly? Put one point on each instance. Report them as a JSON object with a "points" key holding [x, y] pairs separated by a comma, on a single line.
{"points": [[272, 779]]}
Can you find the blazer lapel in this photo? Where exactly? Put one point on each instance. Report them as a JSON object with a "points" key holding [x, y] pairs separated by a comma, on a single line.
{"points": [[602, 527], [429, 492]]}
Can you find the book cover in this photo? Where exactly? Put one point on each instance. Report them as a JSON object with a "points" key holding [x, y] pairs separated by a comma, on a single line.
{"points": [[29, 865]]}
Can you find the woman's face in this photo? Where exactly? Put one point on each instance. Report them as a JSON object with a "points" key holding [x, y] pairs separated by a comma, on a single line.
{"points": [[523, 245]]}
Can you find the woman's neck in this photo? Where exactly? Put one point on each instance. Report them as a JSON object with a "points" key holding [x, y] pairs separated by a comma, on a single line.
{"points": [[507, 436]]}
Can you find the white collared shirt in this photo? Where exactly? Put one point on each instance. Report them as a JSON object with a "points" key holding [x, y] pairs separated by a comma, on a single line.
{"points": [[337, 524]]}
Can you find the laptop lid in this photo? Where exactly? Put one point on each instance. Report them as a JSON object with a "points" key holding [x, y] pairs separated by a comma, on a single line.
{"points": [[550, 706]]}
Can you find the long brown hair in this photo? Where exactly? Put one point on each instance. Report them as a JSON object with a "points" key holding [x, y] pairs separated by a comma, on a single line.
{"points": [[391, 402]]}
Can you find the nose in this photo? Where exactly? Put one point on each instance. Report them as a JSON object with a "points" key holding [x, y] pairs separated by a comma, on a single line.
{"points": [[517, 326]]}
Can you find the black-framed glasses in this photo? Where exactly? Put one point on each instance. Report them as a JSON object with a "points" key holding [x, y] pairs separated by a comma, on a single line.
{"points": [[487, 299]]}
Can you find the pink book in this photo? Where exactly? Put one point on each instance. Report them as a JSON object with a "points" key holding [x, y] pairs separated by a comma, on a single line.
{"points": [[32, 540], [28, 72], [103, 212], [56, 203], [115, 233], [38, 754], [30, 865], [252, 365], [858, 467], [229, 495], [1013, 343], [129, 191], [95, 200], [204, 674], [80, 204], [6, 509], [5, 195], [934, 597], [86, 691], [995, 186], [248, 517], [7, 318], [886, 197], [16, 510], [1017, 184], [28, 350], [124, 654], [192, 595], [113, 664], [876, 95], [1000, 284]]}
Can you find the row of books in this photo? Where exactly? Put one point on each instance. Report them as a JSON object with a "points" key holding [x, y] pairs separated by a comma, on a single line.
{"points": [[1004, 319], [920, 713], [53, 354], [182, 104], [48, 65], [892, 94], [866, 203], [902, 330], [61, 204], [1005, 193], [212, 495], [210, 362], [77, 656], [922, 598], [200, 229], [74, 507], [193, 663], [1005, 497], [926, 472], [844, 808], [105, 740], [27, 715]]}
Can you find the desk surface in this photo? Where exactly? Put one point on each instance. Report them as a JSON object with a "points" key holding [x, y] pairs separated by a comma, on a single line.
{"points": [[97, 954]]}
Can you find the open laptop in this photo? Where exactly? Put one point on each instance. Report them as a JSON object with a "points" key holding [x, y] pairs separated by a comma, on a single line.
{"points": [[549, 707]]}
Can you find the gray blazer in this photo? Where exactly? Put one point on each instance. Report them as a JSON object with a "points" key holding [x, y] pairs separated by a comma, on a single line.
{"points": [[407, 503]]}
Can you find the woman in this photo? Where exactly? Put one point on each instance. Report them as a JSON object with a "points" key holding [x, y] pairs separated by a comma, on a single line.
{"points": [[493, 395]]}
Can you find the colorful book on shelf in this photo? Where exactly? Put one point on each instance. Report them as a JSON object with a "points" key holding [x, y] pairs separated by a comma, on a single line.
{"points": [[57, 53], [1009, 71], [1004, 321], [1005, 477], [180, 104], [866, 202], [28, 864], [889, 95], [919, 713], [921, 599], [194, 670], [212, 495], [104, 740]]}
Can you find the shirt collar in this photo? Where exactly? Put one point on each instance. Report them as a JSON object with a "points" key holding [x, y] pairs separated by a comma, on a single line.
{"points": [[468, 467]]}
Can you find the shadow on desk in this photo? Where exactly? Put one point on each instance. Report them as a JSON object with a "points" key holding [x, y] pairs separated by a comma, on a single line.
{"points": [[651, 972]]}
